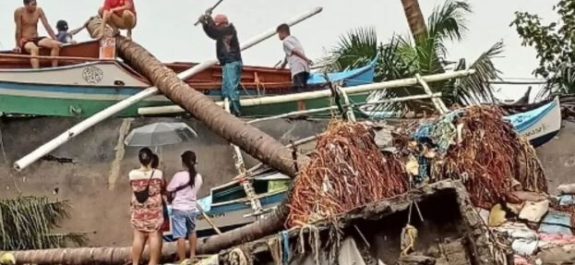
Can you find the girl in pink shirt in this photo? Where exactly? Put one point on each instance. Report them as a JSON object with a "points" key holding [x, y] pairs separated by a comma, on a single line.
{"points": [[184, 188]]}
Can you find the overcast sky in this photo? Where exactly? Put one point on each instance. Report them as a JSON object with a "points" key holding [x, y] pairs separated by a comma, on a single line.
{"points": [[166, 27]]}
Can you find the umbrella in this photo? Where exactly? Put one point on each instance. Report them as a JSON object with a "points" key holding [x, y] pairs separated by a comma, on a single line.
{"points": [[159, 134]]}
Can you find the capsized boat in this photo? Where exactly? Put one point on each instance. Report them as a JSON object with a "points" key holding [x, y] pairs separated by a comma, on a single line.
{"points": [[87, 82], [229, 207], [539, 125]]}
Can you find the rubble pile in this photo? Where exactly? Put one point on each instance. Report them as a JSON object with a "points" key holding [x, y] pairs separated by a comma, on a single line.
{"points": [[503, 176], [475, 145], [347, 170]]}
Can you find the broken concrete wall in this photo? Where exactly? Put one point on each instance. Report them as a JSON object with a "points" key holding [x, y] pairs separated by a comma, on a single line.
{"points": [[81, 171]]}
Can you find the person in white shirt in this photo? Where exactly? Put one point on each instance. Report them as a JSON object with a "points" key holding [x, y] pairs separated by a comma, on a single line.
{"points": [[299, 64]]}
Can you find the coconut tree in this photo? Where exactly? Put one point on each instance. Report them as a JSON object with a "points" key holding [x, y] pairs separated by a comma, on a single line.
{"points": [[28, 223], [404, 57], [415, 18]]}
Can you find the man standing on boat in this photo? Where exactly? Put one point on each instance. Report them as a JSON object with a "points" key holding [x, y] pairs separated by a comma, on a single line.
{"points": [[299, 64], [229, 55], [27, 38], [119, 14]]}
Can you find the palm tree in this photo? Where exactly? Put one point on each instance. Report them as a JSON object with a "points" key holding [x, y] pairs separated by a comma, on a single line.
{"points": [[415, 18], [28, 223], [404, 57]]}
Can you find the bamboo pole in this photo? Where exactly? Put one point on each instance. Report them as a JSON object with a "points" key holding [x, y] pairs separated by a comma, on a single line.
{"points": [[319, 110], [320, 94], [112, 110]]}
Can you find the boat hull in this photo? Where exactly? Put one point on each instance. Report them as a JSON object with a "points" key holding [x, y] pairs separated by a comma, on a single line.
{"points": [[84, 101], [539, 125], [231, 216]]}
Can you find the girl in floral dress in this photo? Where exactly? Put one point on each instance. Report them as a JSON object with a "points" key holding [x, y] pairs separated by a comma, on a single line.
{"points": [[146, 208]]}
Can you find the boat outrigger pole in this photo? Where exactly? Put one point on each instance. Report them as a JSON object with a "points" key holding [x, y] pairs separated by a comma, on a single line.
{"points": [[112, 110], [322, 93]]}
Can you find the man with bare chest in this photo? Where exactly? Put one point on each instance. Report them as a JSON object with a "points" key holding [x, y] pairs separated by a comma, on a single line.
{"points": [[27, 39]]}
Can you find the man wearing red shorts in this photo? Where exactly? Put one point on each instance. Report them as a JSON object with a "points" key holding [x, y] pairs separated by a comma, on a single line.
{"points": [[27, 37]]}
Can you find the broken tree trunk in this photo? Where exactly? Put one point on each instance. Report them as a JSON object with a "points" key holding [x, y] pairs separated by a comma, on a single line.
{"points": [[250, 139], [121, 255]]}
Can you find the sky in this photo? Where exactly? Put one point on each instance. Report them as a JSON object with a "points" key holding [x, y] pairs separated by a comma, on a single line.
{"points": [[166, 28]]}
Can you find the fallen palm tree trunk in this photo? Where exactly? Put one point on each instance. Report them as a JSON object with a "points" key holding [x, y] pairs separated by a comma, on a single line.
{"points": [[347, 170], [121, 255]]}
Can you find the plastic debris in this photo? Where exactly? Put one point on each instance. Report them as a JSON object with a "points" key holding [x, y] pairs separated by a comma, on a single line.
{"points": [[496, 216], [556, 223], [534, 211]]}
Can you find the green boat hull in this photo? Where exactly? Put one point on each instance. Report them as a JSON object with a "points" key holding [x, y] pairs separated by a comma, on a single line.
{"points": [[59, 107]]}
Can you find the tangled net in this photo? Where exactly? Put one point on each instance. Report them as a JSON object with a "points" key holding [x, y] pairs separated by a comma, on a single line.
{"points": [[347, 170], [474, 144]]}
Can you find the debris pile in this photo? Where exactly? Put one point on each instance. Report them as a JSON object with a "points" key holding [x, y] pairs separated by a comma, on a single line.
{"points": [[347, 170], [472, 144]]}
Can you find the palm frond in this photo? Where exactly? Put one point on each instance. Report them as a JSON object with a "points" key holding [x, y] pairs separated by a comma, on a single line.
{"points": [[476, 88], [354, 49], [448, 20], [27, 223]]}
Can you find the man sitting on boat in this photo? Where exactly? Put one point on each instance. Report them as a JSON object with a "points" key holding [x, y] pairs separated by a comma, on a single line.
{"points": [[299, 64], [229, 55], [119, 14], [27, 37]]}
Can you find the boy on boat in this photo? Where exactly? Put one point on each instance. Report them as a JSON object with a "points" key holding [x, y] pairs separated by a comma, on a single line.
{"points": [[64, 36], [229, 55], [119, 14], [299, 64], [27, 37]]}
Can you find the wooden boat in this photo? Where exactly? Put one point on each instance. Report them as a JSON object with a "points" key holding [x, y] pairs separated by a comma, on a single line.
{"points": [[539, 125], [228, 206], [85, 84]]}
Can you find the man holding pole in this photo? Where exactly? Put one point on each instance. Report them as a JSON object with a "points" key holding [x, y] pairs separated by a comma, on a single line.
{"points": [[229, 55]]}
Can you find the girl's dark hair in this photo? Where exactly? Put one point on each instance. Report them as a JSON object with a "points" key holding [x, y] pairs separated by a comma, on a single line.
{"points": [[189, 160], [155, 161], [145, 156]]}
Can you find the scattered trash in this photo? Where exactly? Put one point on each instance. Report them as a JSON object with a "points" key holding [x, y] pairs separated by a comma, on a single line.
{"points": [[524, 247], [566, 188], [556, 222], [534, 211], [496, 216], [408, 239]]}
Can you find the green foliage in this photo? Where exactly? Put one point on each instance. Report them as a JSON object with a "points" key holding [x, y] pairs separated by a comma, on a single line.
{"points": [[554, 45], [403, 57], [28, 223]]}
